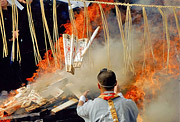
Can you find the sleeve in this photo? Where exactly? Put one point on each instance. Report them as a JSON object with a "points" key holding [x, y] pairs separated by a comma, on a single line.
{"points": [[133, 110], [84, 110]]}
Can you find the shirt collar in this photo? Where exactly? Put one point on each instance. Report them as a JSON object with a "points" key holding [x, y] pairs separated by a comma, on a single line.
{"points": [[109, 92]]}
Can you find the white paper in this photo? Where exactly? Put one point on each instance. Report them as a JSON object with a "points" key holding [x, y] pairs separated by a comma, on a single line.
{"points": [[75, 4], [81, 44], [91, 40], [17, 4]]}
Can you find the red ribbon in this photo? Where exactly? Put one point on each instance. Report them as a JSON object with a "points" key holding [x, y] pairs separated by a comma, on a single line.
{"points": [[107, 96]]}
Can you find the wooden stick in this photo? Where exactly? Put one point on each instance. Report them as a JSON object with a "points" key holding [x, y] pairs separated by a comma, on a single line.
{"points": [[64, 105]]}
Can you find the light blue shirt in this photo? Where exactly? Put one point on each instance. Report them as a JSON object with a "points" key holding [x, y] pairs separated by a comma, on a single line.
{"points": [[98, 109]]}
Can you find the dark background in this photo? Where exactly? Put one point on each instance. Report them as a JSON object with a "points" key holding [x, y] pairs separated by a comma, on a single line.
{"points": [[13, 74]]}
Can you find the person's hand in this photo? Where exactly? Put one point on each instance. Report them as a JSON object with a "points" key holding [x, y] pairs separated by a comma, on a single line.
{"points": [[85, 93], [83, 98], [16, 34], [117, 89]]}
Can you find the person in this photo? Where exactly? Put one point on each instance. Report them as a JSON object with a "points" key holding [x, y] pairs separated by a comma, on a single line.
{"points": [[110, 106]]}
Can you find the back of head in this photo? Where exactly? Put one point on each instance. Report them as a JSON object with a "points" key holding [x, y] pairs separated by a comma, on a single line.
{"points": [[107, 79]]}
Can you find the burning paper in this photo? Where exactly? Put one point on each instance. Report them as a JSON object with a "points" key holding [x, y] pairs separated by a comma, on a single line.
{"points": [[91, 40], [68, 42], [75, 4], [74, 50], [81, 44]]}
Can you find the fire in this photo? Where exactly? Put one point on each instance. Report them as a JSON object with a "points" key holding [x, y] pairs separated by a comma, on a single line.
{"points": [[48, 64], [145, 82], [5, 120], [148, 79]]}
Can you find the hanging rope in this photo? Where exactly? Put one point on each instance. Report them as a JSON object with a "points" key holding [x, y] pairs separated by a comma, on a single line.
{"points": [[129, 40], [147, 33], [15, 32], [126, 30], [126, 38], [55, 32], [127, 4], [86, 22], [45, 26], [177, 23], [37, 55], [167, 34], [106, 33], [119, 20], [71, 15], [5, 48]]}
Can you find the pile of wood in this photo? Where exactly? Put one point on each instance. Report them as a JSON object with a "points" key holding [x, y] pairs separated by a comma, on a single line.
{"points": [[29, 98]]}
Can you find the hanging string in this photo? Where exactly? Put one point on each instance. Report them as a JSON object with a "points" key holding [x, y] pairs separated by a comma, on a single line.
{"points": [[37, 55], [177, 23], [119, 20], [127, 4], [167, 34], [129, 40], [126, 39], [125, 36], [15, 32], [5, 48], [71, 15], [164, 38], [46, 45], [86, 26], [106, 33], [47, 32], [17, 38], [147, 33], [86, 22], [55, 32]]}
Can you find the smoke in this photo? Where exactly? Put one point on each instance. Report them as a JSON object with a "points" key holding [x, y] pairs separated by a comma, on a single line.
{"points": [[162, 108], [97, 58], [165, 108], [3, 96]]}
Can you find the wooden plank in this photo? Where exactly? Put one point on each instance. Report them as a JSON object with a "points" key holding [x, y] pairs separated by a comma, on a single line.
{"points": [[64, 105]]}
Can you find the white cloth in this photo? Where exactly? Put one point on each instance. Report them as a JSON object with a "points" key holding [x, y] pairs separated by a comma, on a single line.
{"points": [[98, 109]]}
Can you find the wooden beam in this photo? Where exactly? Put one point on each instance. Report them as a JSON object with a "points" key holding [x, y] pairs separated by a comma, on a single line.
{"points": [[64, 105]]}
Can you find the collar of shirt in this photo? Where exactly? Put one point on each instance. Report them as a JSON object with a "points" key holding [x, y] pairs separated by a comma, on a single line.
{"points": [[109, 92]]}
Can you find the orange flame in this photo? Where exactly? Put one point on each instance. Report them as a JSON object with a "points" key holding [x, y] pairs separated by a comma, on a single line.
{"points": [[146, 82], [48, 63]]}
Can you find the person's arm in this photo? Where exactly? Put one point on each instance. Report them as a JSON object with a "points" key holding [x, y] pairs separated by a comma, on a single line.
{"points": [[117, 90], [83, 98], [83, 107]]}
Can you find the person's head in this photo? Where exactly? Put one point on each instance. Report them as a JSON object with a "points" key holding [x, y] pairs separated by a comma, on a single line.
{"points": [[4, 4], [106, 79]]}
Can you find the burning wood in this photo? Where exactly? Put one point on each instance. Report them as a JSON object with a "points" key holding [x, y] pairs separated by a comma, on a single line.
{"points": [[30, 97], [20, 116], [64, 105]]}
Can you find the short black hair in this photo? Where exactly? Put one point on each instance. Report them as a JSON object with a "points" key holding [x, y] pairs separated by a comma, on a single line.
{"points": [[107, 79]]}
